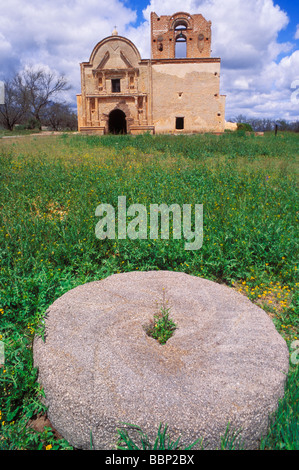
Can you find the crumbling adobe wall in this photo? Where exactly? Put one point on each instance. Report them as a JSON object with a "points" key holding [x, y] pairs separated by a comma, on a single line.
{"points": [[163, 35]]}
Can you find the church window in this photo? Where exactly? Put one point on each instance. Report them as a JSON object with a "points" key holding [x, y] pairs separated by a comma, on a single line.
{"points": [[179, 123], [115, 85]]}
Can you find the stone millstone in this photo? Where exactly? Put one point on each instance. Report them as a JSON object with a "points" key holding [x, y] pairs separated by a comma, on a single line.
{"points": [[225, 363]]}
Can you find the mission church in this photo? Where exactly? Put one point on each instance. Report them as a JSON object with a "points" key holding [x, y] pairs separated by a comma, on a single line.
{"points": [[175, 91]]}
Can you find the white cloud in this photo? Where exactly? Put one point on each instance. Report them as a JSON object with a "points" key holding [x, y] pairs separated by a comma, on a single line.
{"points": [[297, 32], [5, 46], [61, 34], [244, 35], [285, 72]]}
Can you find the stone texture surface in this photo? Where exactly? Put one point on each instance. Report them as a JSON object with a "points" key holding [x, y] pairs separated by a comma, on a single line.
{"points": [[154, 92], [225, 363]]}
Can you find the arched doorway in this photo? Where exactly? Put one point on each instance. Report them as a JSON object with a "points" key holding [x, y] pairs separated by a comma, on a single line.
{"points": [[117, 122]]}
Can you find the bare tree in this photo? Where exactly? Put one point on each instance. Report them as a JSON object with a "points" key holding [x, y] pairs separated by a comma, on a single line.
{"points": [[59, 116], [40, 87], [28, 94], [16, 105]]}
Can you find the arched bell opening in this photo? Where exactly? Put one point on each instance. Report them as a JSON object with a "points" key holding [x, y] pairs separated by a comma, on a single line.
{"points": [[180, 40]]}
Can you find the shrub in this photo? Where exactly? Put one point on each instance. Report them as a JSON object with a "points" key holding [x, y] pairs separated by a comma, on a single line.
{"points": [[244, 126]]}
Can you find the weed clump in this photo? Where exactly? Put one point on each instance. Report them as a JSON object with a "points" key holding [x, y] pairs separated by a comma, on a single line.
{"points": [[161, 327], [162, 441]]}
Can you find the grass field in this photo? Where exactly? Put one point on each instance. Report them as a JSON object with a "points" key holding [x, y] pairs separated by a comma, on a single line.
{"points": [[50, 188]]}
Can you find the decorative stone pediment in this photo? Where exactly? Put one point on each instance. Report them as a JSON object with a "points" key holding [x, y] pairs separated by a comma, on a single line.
{"points": [[115, 52], [115, 61]]}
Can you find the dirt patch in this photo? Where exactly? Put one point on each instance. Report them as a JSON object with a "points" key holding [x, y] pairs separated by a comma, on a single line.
{"points": [[40, 422]]}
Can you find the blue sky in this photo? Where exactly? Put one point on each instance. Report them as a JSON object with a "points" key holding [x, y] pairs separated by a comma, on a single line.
{"points": [[292, 9], [256, 40], [290, 6]]}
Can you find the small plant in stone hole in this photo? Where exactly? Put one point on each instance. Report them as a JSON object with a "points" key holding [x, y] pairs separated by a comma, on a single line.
{"points": [[161, 327]]}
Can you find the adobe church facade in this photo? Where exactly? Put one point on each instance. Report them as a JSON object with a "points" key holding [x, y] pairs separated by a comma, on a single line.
{"points": [[176, 91]]}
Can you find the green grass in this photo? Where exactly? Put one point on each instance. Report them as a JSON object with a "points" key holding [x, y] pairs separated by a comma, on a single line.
{"points": [[50, 188], [140, 441], [284, 433], [18, 132], [132, 437]]}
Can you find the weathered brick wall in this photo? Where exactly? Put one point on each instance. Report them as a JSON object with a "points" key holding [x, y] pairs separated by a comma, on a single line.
{"points": [[189, 90], [164, 34], [185, 88]]}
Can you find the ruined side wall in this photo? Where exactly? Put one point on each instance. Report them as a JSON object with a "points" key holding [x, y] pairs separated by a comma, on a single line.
{"points": [[189, 90], [79, 111]]}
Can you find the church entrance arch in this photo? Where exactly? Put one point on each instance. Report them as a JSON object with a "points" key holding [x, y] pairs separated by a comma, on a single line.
{"points": [[117, 123]]}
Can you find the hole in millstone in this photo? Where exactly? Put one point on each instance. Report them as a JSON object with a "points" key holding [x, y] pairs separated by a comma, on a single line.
{"points": [[161, 327]]}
